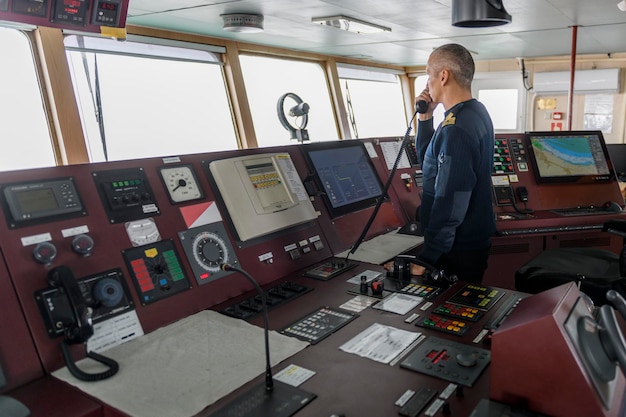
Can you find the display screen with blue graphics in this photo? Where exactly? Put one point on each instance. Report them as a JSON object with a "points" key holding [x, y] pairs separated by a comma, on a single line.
{"points": [[569, 157], [345, 172]]}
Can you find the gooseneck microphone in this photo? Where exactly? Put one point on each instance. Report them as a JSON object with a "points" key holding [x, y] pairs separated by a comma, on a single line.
{"points": [[269, 380], [264, 400], [421, 106]]}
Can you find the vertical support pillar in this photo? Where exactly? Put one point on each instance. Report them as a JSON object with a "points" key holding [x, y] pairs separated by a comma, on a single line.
{"points": [[570, 96]]}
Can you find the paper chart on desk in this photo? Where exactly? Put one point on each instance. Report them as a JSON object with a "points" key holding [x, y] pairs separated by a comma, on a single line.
{"points": [[380, 343]]}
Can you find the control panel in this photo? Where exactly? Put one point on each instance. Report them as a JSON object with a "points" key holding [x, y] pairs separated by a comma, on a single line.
{"points": [[126, 194], [41, 201], [105, 293], [522, 192], [159, 223]]}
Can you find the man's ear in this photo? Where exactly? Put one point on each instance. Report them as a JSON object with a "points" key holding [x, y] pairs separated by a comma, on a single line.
{"points": [[444, 77]]}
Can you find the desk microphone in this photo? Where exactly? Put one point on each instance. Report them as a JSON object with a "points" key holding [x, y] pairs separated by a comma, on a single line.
{"points": [[269, 380], [268, 399]]}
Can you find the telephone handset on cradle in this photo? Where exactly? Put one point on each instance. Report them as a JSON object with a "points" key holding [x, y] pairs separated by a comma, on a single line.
{"points": [[432, 275], [77, 327]]}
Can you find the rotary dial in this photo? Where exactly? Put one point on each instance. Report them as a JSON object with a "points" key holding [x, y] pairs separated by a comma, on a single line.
{"points": [[210, 251]]}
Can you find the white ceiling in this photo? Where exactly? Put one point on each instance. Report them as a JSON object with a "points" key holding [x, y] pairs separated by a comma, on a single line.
{"points": [[538, 28]]}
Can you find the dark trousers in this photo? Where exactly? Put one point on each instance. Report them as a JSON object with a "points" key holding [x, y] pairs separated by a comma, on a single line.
{"points": [[467, 265]]}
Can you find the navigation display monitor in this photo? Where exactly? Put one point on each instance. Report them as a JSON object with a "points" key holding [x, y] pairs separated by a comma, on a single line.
{"points": [[570, 157], [345, 173]]}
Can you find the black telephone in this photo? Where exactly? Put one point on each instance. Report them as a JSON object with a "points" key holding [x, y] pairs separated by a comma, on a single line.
{"points": [[402, 271], [77, 327], [72, 317]]}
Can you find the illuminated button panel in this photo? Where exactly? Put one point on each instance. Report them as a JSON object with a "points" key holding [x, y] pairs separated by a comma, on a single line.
{"points": [[444, 324], [265, 180], [460, 312], [502, 161], [509, 154], [477, 296], [421, 290]]}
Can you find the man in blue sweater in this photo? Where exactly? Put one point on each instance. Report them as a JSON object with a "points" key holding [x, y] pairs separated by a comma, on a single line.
{"points": [[456, 212]]}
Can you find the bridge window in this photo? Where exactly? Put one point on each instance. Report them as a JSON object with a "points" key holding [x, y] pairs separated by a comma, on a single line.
{"points": [[502, 107], [373, 99], [145, 98], [26, 140], [267, 79], [502, 94]]}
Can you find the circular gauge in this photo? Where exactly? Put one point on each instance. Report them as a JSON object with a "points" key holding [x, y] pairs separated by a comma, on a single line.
{"points": [[210, 251], [181, 183], [83, 244]]}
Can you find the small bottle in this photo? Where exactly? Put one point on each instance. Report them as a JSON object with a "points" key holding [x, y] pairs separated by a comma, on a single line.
{"points": [[363, 289]]}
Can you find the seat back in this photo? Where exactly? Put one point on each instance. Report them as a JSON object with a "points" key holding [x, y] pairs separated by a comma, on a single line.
{"points": [[597, 270]]}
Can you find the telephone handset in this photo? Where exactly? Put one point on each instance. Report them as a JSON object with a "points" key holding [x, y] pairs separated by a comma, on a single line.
{"points": [[402, 271], [77, 328], [81, 328]]}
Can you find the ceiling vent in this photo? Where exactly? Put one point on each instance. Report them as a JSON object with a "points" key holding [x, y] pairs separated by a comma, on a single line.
{"points": [[479, 13]]}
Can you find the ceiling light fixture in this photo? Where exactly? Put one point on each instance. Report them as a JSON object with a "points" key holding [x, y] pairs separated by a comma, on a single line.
{"points": [[622, 5], [350, 24], [479, 13], [243, 22]]}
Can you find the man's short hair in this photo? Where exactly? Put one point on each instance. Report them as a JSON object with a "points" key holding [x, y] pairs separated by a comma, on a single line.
{"points": [[458, 60]]}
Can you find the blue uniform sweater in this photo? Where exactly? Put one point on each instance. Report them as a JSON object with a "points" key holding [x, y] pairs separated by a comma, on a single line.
{"points": [[457, 161]]}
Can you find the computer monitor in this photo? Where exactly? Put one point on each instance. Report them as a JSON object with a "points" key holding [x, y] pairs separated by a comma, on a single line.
{"points": [[563, 157], [345, 173]]}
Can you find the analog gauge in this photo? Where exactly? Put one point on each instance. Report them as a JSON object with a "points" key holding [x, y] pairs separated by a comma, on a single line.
{"points": [[181, 183], [210, 251], [142, 232]]}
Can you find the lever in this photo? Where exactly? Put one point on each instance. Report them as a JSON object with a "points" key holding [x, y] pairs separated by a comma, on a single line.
{"points": [[618, 302]]}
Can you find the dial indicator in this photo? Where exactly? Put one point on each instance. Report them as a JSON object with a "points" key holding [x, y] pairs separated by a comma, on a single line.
{"points": [[181, 183], [210, 251], [207, 247]]}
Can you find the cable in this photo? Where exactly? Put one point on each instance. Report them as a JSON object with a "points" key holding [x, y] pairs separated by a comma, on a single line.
{"points": [[380, 200], [85, 376]]}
